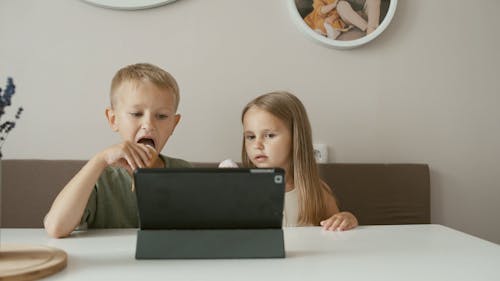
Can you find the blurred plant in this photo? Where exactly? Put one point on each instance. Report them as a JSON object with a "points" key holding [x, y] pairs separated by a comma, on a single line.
{"points": [[5, 100]]}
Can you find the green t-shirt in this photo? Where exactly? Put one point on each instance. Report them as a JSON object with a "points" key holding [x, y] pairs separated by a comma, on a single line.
{"points": [[112, 203]]}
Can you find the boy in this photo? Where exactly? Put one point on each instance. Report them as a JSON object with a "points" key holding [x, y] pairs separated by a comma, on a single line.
{"points": [[144, 101]]}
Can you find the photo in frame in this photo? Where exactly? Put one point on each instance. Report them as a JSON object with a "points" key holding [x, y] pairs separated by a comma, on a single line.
{"points": [[342, 24], [128, 4]]}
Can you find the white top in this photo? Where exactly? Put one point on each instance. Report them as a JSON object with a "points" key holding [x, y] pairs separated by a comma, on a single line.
{"points": [[291, 208], [390, 252]]}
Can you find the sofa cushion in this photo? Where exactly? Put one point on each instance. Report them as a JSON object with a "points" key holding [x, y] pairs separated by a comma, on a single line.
{"points": [[375, 193], [381, 193], [30, 186]]}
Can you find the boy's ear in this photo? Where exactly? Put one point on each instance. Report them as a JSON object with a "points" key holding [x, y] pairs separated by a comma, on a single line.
{"points": [[177, 119], [111, 116]]}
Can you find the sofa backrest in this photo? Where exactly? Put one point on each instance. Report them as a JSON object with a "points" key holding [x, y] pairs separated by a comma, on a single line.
{"points": [[30, 186], [378, 193], [381, 193], [375, 193]]}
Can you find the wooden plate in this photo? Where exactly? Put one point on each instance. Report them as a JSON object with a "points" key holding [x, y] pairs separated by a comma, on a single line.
{"points": [[30, 262]]}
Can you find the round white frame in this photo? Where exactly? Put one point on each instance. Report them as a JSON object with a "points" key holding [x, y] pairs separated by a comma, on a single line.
{"points": [[128, 4], [339, 44]]}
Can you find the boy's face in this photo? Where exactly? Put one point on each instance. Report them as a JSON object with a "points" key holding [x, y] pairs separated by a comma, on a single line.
{"points": [[143, 113]]}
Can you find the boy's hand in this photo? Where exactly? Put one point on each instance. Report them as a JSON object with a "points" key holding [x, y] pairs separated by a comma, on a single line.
{"points": [[340, 221], [130, 155]]}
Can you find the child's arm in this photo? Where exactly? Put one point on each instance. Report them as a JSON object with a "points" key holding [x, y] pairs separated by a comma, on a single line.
{"points": [[373, 12], [337, 220], [68, 207]]}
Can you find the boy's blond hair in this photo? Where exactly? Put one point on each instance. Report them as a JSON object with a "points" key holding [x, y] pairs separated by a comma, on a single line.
{"points": [[289, 109], [145, 72]]}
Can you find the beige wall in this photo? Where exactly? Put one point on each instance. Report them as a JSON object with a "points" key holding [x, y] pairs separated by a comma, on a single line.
{"points": [[426, 91]]}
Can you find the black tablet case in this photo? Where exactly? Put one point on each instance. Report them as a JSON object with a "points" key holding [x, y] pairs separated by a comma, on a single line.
{"points": [[210, 213]]}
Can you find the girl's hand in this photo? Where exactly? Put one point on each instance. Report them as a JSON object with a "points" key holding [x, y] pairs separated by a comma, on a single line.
{"points": [[228, 163], [340, 222]]}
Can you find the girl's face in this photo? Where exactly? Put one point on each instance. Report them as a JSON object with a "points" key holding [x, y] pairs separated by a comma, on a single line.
{"points": [[268, 141], [144, 113]]}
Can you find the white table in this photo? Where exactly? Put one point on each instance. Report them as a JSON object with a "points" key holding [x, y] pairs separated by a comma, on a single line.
{"points": [[402, 252]]}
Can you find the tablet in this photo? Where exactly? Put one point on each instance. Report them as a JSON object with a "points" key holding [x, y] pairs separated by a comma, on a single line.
{"points": [[210, 198]]}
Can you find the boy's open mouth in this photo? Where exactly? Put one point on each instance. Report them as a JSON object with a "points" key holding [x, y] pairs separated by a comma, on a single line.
{"points": [[147, 141]]}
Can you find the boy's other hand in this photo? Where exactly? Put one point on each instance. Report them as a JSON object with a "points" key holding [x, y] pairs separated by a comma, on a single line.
{"points": [[129, 155], [340, 221]]}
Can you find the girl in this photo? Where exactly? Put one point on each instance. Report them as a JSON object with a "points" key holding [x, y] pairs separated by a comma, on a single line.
{"points": [[325, 19], [277, 133], [332, 17]]}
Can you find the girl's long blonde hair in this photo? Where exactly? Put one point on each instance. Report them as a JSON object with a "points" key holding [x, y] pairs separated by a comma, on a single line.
{"points": [[289, 109]]}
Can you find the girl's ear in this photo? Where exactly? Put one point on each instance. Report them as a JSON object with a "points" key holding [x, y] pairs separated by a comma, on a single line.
{"points": [[111, 116]]}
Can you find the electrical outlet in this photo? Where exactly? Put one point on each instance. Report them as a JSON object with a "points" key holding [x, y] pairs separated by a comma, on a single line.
{"points": [[320, 152]]}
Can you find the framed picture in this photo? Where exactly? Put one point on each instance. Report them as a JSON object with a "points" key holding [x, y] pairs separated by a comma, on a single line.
{"points": [[128, 4], [342, 24]]}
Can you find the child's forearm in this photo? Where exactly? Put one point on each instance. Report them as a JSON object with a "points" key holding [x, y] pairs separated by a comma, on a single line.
{"points": [[67, 209]]}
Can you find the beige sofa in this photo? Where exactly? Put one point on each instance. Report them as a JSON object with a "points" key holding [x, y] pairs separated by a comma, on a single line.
{"points": [[376, 193]]}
